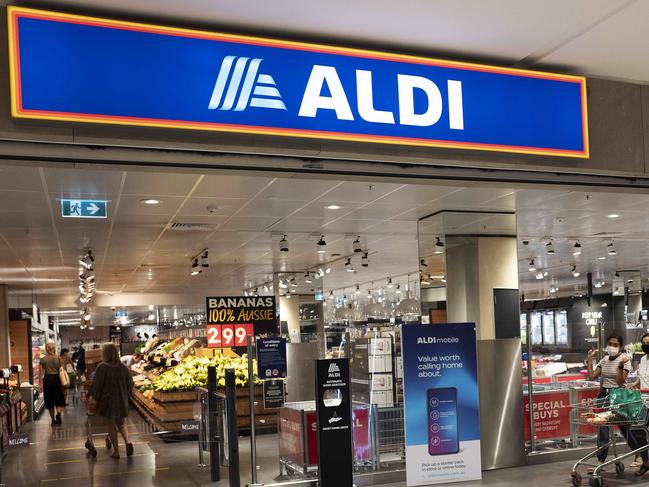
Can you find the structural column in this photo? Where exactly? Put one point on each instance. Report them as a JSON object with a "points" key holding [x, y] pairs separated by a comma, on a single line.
{"points": [[5, 344], [477, 268]]}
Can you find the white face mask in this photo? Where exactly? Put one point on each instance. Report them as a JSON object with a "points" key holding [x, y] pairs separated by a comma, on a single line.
{"points": [[611, 350]]}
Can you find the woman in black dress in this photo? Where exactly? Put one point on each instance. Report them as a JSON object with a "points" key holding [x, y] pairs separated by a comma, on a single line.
{"points": [[52, 387], [110, 392]]}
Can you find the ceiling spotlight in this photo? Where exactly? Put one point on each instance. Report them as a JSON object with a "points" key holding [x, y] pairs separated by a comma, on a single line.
{"points": [[532, 267], [611, 249], [327, 270], [321, 245], [576, 250], [204, 259], [282, 284], [87, 261], [149, 201], [358, 289], [614, 215], [422, 263], [575, 273], [539, 276], [398, 289], [293, 282], [365, 260], [444, 279], [150, 316], [617, 274], [356, 245], [553, 290], [348, 266], [333, 207], [307, 277], [331, 294], [390, 285], [425, 281], [321, 272], [293, 290], [601, 258], [86, 315], [598, 284], [549, 248], [439, 246], [283, 244], [196, 270]]}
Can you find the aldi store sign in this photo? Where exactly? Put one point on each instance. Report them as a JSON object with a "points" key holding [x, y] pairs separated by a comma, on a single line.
{"points": [[84, 69]]}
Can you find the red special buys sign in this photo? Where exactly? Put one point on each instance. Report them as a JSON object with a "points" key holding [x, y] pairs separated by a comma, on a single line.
{"points": [[551, 415]]}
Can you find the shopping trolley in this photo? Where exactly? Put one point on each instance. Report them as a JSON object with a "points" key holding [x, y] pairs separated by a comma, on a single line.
{"points": [[600, 413], [91, 413]]}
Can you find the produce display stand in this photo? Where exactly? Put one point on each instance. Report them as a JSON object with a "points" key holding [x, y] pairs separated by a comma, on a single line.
{"points": [[166, 410]]}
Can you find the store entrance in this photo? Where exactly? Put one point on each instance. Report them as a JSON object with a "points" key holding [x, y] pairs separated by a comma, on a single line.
{"points": [[340, 265]]}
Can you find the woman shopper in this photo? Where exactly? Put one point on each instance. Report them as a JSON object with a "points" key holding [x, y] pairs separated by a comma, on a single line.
{"points": [[52, 387], [614, 370], [68, 365], [109, 393]]}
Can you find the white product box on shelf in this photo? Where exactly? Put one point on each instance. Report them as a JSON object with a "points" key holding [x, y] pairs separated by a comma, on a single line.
{"points": [[380, 346], [381, 382], [383, 398], [380, 363], [399, 368]]}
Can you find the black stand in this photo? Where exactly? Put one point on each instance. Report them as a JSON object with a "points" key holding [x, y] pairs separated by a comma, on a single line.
{"points": [[215, 465], [233, 435]]}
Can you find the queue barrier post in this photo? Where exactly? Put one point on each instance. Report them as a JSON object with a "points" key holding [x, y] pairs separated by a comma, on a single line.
{"points": [[233, 435], [212, 430]]}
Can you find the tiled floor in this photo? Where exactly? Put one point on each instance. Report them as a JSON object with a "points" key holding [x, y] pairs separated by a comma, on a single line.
{"points": [[57, 457]]}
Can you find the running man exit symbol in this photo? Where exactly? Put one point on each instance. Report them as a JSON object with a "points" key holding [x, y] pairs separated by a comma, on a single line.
{"points": [[84, 208]]}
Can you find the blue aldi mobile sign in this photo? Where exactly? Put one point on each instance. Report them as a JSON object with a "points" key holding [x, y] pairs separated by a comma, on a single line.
{"points": [[442, 417], [85, 69]]}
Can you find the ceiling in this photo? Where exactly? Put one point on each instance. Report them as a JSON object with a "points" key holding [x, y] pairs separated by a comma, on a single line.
{"points": [[138, 253], [604, 38]]}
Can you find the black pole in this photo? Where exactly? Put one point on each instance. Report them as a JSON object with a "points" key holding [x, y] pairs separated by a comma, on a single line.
{"points": [[589, 278], [215, 466], [233, 435]]}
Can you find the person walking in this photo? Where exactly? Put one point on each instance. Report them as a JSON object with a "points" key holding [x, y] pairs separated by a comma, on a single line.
{"points": [[51, 383], [81, 360], [68, 366], [614, 370], [110, 393]]}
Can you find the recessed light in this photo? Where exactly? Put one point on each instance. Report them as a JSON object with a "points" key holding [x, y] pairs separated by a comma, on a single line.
{"points": [[601, 258], [333, 207], [150, 201], [614, 215]]}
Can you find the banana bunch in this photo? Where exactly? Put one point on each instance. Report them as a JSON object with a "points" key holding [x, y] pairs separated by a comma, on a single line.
{"points": [[191, 372]]}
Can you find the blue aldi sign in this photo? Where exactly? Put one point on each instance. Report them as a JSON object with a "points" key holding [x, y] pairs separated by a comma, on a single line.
{"points": [[84, 69], [84, 208]]}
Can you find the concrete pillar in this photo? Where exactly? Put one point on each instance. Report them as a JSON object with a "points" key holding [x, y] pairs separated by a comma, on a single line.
{"points": [[289, 311], [475, 266], [5, 345]]}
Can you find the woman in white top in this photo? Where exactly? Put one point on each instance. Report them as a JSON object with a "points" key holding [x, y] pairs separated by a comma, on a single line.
{"points": [[613, 370], [642, 382], [643, 370]]}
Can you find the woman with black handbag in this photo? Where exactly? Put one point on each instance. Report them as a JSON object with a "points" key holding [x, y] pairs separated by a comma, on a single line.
{"points": [[52, 371]]}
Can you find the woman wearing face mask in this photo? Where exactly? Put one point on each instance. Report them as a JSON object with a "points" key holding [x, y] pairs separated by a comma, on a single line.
{"points": [[643, 378], [614, 370]]}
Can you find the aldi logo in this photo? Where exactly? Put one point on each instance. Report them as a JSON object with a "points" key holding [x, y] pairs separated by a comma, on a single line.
{"points": [[244, 86]]}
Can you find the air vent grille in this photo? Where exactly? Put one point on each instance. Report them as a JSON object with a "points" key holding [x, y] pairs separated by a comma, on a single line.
{"points": [[192, 227]]}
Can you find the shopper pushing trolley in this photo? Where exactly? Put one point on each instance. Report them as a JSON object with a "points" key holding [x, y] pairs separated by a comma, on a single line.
{"points": [[616, 405]]}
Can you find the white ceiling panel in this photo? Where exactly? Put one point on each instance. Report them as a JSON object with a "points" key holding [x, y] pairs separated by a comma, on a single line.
{"points": [[158, 185], [227, 186], [221, 207], [80, 183], [298, 189]]}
